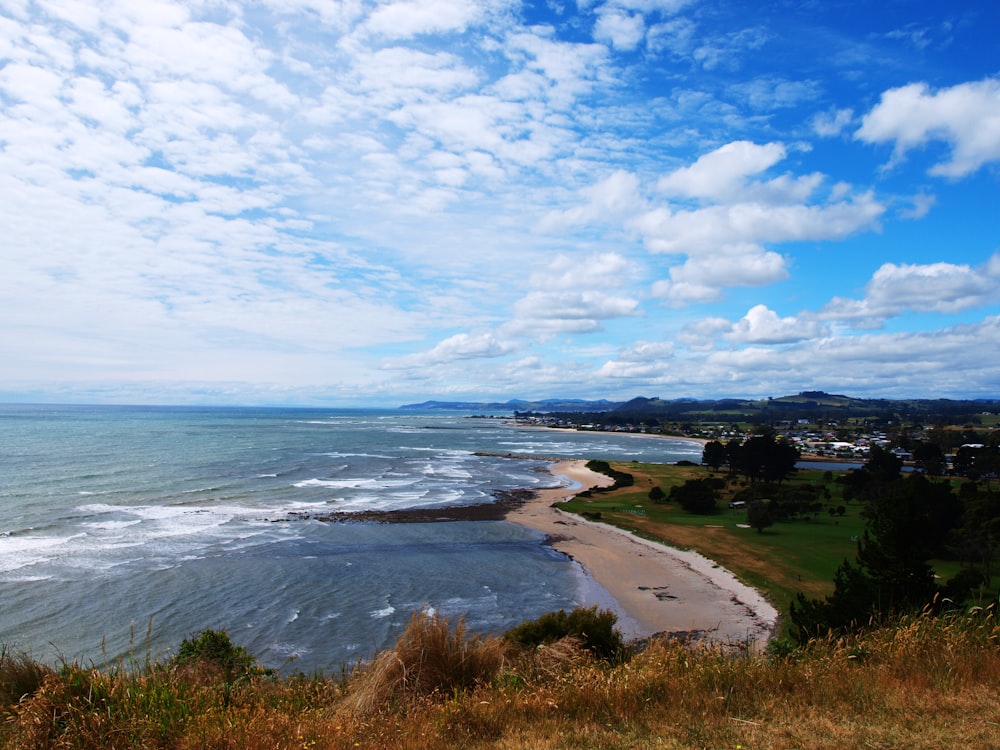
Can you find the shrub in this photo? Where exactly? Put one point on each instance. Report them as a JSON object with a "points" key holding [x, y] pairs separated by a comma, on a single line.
{"points": [[621, 478], [214, 649], [593, 627]]}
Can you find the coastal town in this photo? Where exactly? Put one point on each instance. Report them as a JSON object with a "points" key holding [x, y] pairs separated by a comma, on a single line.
{"points": [[909, 435]]}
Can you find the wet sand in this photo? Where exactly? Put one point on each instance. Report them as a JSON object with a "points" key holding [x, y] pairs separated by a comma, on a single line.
{"points": [[653, 588]]}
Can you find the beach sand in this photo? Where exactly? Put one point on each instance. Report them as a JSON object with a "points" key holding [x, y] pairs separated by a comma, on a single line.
{"points": [[652, 588]]}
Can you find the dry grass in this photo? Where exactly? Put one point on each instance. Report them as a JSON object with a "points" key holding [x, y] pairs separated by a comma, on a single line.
{"points": [[928, 682], [430, 657]]}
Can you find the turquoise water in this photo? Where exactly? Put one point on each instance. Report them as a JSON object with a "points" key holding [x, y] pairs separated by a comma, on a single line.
{"points": [[115, 521]]}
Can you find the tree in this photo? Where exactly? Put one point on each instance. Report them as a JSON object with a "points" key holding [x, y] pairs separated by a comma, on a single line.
{"points": [[657, 495], [976, 540], [906, 527], [929, 457], [759, 515], [762, 458], [714, 454], [695, 496]]}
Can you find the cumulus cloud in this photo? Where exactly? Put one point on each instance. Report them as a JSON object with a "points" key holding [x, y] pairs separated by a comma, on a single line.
{"points": [[742, 211], [965, 116], [762, 325], [723, 173], [702, 278], [933, 287], [461, 346]]}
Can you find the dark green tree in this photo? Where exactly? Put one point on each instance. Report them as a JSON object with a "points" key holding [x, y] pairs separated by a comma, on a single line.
{"points": [[762, 458], [714, 454], [976, 540], [759, 515], [695, 496], [929, 457], [906, 527]]}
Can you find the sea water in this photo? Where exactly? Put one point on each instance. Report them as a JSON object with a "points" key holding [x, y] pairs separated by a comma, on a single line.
{"points": [[124, 530]]}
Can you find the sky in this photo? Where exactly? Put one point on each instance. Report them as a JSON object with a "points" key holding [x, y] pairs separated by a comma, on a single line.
{"points": [[365, 203]]}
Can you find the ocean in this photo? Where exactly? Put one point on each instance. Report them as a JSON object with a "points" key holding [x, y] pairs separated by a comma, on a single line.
{"points": [[125, 529]]}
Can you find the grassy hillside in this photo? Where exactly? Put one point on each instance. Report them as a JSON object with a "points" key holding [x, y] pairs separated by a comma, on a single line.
{"points": [[923, 683]]}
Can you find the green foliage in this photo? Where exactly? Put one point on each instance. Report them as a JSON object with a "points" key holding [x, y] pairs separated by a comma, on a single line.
{"points": [[696, 496], [622, 478], [759, 515], [762, 458], [908, 523], [213, 648], [657, 495], [714, 454], [595, 628]]}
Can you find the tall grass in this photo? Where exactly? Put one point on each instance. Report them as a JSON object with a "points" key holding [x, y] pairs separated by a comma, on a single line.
{"points": [[429, 658], [930, 681]]}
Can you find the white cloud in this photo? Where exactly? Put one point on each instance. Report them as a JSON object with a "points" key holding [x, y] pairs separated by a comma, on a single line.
{"points": [[409, 18], [461, 346], [934, 287], [587, 306], [762, 325], [724, 241], [722, 173], [624, 31], [965, 116], [701, 279], [833, 122], [701, 335], [605, 270], [614, 197]]}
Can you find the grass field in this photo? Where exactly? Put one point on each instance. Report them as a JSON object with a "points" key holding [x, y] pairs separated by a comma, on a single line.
{"points": [[788, 557]]}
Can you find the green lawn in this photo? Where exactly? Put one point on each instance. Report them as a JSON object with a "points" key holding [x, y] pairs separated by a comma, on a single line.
{"points": [[789, 557]]}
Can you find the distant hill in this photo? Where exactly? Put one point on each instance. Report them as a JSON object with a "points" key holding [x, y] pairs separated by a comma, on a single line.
{"points": [[518, 405], [805, 405]]}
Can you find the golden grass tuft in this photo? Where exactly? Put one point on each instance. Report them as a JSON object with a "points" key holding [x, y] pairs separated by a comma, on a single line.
{"points": [[430, 657]]}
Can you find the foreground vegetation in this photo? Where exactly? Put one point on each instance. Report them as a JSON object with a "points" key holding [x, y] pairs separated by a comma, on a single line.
{"points": [[924, 682]]}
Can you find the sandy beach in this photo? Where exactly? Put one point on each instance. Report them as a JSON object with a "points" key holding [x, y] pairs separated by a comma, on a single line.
{"points": [[653, 588]]}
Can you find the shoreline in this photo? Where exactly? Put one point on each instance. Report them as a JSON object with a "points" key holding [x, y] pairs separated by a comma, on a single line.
{"points": [[654, 589]]}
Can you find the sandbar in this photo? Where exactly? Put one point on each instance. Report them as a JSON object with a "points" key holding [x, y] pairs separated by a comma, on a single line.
{"points": [[654, 589]]}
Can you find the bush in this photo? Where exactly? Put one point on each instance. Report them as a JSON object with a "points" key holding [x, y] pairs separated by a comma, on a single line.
{"points": [[621, 478], [214, 649], [593, 627]]}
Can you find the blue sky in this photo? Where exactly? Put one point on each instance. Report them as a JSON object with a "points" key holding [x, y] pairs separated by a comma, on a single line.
{"points": [[373, 203]]}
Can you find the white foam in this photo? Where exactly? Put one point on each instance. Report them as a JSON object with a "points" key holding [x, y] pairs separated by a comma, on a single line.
{"points": [[356, 483], [381, 614]]}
